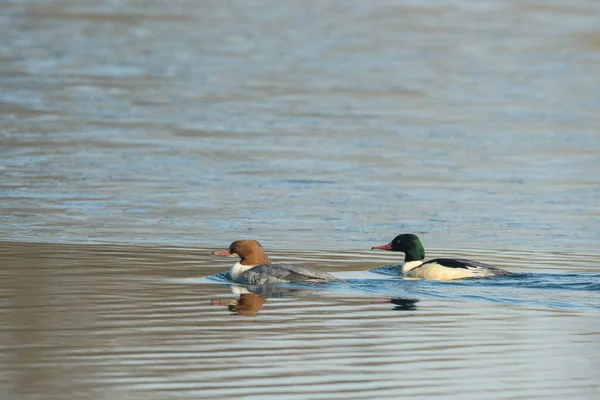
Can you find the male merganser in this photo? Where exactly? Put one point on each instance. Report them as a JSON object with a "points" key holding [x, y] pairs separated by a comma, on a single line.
{"points": [[441, 269], [256, 268]]}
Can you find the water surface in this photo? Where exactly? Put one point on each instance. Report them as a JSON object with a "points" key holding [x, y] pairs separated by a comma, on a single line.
{"points": [[312, 125], [130, 322], [136, 137]]}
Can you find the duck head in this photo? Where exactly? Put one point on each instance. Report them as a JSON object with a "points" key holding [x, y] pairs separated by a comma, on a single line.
{"points": [[406, 243], [249, 251]]}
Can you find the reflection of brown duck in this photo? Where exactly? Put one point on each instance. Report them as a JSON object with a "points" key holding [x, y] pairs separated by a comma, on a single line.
{"points": [[255, 266], [249, 304]]}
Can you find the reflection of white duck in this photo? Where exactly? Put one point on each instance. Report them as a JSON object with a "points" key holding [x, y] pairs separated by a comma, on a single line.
{"points": [[255, 266], [441, 269]]}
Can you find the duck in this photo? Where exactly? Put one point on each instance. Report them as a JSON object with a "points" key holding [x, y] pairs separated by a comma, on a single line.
{"points": [[255, 267], [441, 269]]}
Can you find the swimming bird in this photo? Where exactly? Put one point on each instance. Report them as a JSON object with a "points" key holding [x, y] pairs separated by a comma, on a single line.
{"points": [[415, 266], [255, 266]]}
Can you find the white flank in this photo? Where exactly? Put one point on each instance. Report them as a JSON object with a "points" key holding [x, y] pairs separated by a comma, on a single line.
{"points": [[438, 272]]}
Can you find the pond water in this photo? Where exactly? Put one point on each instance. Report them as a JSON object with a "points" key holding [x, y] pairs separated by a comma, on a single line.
{"points": [[138, 136], [122, 322]]}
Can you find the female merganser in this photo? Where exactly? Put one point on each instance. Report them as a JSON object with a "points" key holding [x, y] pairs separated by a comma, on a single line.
{"points": [[440, 269], [256, 268]]}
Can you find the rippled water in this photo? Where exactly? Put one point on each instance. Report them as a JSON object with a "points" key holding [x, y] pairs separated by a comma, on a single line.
{"points": [[131, 322], [136, 136]]}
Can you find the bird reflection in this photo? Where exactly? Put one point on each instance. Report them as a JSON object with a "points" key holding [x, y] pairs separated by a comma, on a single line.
{"points": [[248, 304], [253, 297], [400, 303], [404, 304]]}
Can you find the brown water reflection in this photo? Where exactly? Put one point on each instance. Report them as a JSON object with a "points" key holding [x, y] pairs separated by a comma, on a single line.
{"points": [[247, 304], [132, 322]]}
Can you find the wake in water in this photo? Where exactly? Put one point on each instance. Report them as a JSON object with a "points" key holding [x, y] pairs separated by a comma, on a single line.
{"points": [[565, 291]]}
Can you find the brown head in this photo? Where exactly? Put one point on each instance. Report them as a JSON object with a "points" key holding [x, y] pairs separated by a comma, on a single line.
{"points": [[250, 251]]}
